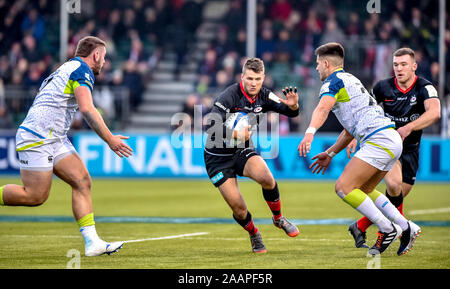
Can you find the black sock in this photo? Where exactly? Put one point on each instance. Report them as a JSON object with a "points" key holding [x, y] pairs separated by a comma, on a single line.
{"points": [[395, 200], [272, 195], [247, 223], [272, 198]]}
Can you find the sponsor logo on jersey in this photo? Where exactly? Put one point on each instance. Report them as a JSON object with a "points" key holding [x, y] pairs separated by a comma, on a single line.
{"points": [[414, 117], [218, 104], [397, 119], [432, 92]]}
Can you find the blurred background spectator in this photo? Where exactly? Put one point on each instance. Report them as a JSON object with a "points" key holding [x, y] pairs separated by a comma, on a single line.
{"points": [[140, 33]]}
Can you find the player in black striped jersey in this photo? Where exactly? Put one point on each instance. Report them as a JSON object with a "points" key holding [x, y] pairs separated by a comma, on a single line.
{"points": [[223, 162]]}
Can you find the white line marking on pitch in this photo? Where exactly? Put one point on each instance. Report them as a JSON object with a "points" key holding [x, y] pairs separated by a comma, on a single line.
{"points": [[429, 211], [189, 236], [167, 237]]}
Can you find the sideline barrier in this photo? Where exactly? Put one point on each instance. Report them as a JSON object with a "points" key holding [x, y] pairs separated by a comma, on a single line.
{"points": [[163, 156]]}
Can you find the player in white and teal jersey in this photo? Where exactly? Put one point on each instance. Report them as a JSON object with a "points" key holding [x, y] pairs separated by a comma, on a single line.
{"points": [[51, 114], [355, 108], [380, 147], [44, 148]]}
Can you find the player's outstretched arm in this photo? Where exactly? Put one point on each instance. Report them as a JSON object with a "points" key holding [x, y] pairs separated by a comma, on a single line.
{"points": [[343, 141], [95, 121], [318, 118], [323, 160], [431, 115], [351, 148]]}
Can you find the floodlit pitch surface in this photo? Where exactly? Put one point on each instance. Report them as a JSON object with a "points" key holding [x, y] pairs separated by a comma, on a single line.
{"points": [[186, 224]]}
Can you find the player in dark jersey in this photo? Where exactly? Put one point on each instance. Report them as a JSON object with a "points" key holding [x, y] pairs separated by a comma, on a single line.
{"points": [[412, 103], [223, 162]]}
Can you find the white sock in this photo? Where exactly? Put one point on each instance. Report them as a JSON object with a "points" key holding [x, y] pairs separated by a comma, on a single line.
{"points": [[89, 235], [368, 209], [390, 211], [363, 204]]}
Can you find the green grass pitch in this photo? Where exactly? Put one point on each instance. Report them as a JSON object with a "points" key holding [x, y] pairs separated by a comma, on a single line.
{"points": [[223, 244]]}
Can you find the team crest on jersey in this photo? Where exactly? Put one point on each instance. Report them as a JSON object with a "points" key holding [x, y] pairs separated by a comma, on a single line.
{"points": [[413, 100], [257, 109]]}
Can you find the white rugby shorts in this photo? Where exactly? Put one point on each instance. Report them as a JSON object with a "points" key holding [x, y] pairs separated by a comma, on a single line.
{"points": [[41, 155], [382, 149]]}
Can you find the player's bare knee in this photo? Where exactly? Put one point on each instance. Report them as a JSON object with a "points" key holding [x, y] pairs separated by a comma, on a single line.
{"points": [[340, 188], [267, 182], [82, 183], [240, 212], [343, 188], [394, 188], [86, 183]]}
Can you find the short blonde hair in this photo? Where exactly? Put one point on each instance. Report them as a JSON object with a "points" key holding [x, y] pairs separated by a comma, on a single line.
{"points": [[405, 51], [255, 64], [87, 44]]}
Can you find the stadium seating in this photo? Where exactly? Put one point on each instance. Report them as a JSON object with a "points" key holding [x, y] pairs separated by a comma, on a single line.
{"points": [[159, 52]]}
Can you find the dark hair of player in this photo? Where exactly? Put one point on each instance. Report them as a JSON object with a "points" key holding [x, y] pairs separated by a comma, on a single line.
{"points": [[330, 49], [405, 51], [87, 44], [254, 64]]}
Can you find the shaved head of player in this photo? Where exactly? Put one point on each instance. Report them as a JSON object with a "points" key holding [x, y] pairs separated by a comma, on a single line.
{"points": [[329, 61]]}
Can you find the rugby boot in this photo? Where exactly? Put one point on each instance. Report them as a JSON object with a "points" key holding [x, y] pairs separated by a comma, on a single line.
{"points": [[290, 229], [358, 235], [385, 239], [408, 238], [257, 243]]}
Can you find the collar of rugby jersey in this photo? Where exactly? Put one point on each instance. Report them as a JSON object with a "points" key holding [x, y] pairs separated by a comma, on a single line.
{"points": [[408, 89], [246, 95]]}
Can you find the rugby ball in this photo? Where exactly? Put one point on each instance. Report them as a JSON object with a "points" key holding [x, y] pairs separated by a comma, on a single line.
{"points": [[236, 121]]}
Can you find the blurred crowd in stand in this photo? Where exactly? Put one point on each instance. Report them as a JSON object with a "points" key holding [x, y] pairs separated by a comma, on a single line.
{"points": [[139, 32], [288, 32]]}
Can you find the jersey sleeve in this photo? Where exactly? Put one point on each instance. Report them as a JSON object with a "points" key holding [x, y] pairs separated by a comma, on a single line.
{"points": [[429, 91], [223, 104], [272, 103], [334, 87], [82, 76]]}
